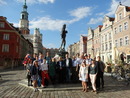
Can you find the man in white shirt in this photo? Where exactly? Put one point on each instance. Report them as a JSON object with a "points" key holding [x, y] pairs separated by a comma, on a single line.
{"points": [[68, 65], [44, 68]]}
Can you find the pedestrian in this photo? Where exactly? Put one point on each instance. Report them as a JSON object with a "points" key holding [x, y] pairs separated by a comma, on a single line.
{"points": [[44, 68], [83, 75], [100, 75], [40, 61], [68, 66], [34, 57], [52, 70], [48, 58], [26, 59], [61, 70], [74, 73], [88, 62], [35, 74], [79, 60], [29, 67], [93, 70]]}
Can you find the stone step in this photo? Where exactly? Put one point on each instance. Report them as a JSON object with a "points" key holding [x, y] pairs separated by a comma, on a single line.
{"points": [[57, 87]]}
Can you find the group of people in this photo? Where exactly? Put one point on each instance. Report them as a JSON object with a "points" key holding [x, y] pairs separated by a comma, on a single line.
{"points": [[91, 72], [42, 70]]}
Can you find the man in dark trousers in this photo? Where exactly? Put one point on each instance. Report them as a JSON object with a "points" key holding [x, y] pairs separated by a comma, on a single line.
{"points": [[68, 66], [100, 75], [61, 70]]}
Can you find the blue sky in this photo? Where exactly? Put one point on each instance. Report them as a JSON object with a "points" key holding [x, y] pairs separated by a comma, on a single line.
{"points": [[50, 15]]}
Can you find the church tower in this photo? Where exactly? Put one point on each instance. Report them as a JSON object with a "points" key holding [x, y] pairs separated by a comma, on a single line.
{"points": [[24, 23]]}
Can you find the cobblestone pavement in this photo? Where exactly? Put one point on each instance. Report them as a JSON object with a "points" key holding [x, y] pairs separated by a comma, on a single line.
{"points": [[10, 87]]}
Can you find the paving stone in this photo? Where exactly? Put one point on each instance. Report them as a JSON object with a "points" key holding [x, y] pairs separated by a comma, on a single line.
{"points": [[10, 87]]}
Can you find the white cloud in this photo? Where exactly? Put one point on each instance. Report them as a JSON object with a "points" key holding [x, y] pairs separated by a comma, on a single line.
{"points": [[100, 14], [95, 20], [125, 2], [46, 1], [113, 6], [37, 1], [47, 23], [15, 24], [81, 12], [50, 45], [2, 2]]}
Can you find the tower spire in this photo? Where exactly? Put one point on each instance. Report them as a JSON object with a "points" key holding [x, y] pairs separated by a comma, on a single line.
{"points": [[25, 2], [24, 23]]}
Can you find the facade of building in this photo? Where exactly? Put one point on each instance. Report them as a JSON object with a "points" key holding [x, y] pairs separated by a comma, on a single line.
{"points": [[106, 39], [112, 39], [73, 49], [36, 38], [90, 42], [121, 30], [52, 51], [97, 41], [12, 45], [83, 44]]}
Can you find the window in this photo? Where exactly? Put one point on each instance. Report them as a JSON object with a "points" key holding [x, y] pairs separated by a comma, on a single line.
{"points": [[106, 46], [109, 35], [106, 37], [22, 16], [110, 57], [125, 26], [103, 58], [126, 40], [6, 37], [2, 25], [115, 30], [5, 48], [120, 28], [121, 41], [110, 45], [102, 47], [102, 38], [17, 49], [106, 26], [120, 16], [17, 39], [116, 43]]}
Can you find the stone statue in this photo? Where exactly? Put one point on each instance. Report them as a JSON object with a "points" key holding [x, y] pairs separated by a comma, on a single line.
{"points": [[63, 36]]}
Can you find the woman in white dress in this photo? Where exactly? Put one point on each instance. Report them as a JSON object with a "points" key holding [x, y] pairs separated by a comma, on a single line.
{"points": [[83, 75]]}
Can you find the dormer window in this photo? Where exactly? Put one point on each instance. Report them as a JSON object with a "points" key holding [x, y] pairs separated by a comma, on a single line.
{"points": [[106, 26], [120, 28], [125, 26], [2, 25], [120, 16]]}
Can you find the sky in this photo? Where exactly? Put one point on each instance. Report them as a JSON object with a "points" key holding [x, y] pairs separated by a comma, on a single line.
{"points": [[50, 15]]}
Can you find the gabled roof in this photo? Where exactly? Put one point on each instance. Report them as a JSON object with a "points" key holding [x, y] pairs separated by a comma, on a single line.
{"points": [[100, 26], [127, 8], [111, 19]]}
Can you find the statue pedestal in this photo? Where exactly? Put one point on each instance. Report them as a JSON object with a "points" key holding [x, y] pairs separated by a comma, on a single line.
{"points": [[62, 53]]}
